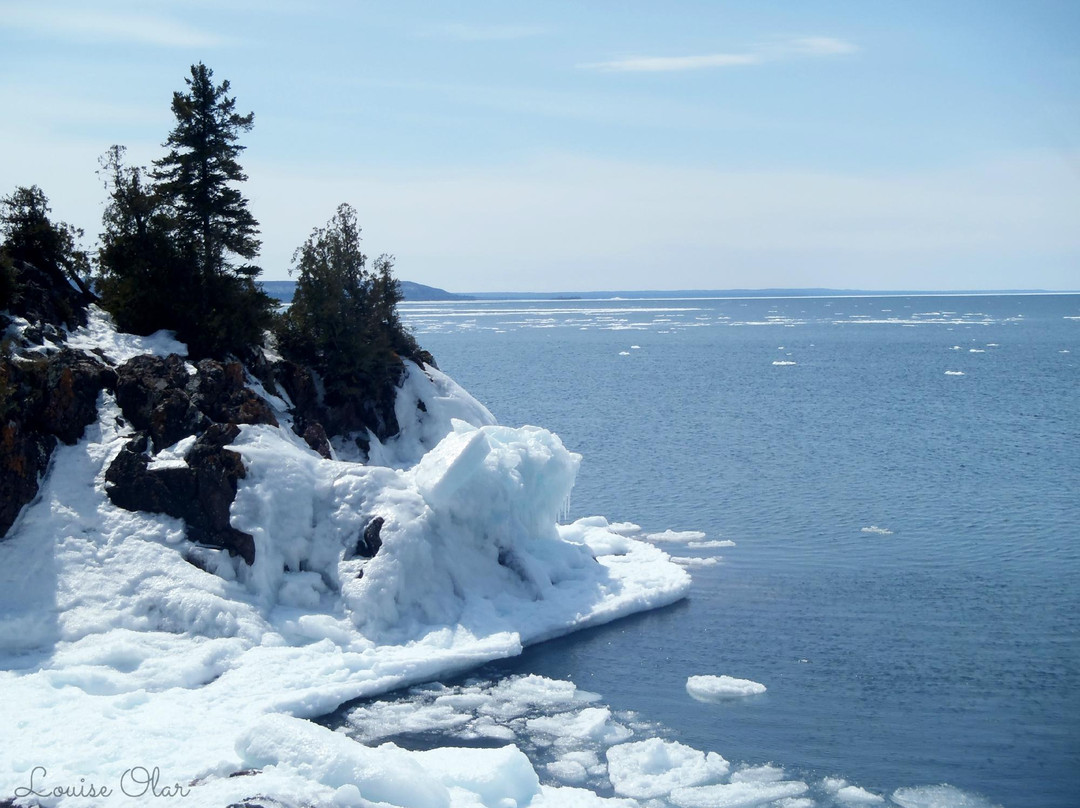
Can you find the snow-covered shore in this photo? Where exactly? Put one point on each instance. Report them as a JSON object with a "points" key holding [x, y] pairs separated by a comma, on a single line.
{"points": [[119, 656]]}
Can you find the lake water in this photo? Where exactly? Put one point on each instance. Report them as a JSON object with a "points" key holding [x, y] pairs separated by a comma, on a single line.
{"points": [[901, 478]]}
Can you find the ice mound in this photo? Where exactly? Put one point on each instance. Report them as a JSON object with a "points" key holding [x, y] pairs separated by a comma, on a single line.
{"points": [[718, 688], [653, 768]]}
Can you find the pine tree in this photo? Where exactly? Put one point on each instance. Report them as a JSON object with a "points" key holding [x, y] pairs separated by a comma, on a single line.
{"points": [[172, 247], [198, 174]]}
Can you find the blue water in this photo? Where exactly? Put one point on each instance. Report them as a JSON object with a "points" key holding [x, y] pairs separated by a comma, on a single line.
{"points": [[947, 650]]}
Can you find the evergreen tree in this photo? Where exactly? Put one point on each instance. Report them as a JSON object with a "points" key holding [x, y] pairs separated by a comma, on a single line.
{"points": [[173, 246], [31, 236], [197, 176], [144, 278], [343, 319]]}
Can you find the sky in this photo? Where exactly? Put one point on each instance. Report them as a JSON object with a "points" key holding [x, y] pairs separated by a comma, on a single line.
{"points": [[601, 145]]}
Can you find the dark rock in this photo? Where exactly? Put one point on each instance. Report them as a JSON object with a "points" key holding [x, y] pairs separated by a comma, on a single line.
{"points": [[370, 542], [45, 297], [200, 494], [42, 400], [24, 456], [159, 396], [315, 437], [369, 407], [142, 383], [175, 417]]}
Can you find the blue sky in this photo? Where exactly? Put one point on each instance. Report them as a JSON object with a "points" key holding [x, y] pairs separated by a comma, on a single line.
{"points": [[595, 145]]}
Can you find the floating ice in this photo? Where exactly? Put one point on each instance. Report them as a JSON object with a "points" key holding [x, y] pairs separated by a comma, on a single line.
{"points": [[624, 353], [736, 795], [676, 536], [853, 795], [709, 545], [954, 373], [941, 796], [782, 362], [719, 688], [976, 350], [766, 773], [880, 531], [652, 768], [689, 561]]}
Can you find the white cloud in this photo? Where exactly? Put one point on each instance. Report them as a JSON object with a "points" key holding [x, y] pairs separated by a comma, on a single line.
{"points": [[791, 48], [68, 22], [470, 32]]}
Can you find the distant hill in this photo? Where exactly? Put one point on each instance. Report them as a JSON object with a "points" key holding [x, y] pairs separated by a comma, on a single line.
{"points": [[283, 291]]}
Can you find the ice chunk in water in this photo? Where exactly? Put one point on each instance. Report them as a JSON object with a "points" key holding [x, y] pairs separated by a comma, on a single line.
{"points": [[736, 795], [652, 768], [941, 796], [716, 688]]}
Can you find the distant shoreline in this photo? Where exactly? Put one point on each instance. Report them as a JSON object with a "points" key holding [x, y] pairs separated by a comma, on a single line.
{"points": [[419, 293]]}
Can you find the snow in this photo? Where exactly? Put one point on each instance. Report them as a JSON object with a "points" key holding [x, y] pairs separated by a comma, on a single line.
{"points": [[717, 688], [99, 332], [118, 653]]}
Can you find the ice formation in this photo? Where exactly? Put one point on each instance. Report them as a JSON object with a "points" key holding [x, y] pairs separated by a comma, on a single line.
{"points": [[716, 688], [118, 653]]}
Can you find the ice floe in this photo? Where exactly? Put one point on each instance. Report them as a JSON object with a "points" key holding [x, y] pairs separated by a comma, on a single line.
{"points": [[653, 768], [720, 688], [691, 561], [676, 536]]}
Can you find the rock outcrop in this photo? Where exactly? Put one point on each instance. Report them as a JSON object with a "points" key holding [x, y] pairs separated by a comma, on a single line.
{"points": [[200, 493], [43, 399]]}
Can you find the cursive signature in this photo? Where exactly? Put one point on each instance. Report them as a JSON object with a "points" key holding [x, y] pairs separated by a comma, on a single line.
{"points": [[137, 781]]}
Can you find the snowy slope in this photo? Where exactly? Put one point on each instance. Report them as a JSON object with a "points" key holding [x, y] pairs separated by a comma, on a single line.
{"points": [[118, 653]]}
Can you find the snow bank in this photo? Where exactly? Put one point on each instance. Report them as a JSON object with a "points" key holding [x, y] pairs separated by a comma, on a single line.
{"points": [[717, 688], [122, 645]]}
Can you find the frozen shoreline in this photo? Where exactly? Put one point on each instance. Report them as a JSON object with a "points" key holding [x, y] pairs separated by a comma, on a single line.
{"points": [[120, 655]]}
